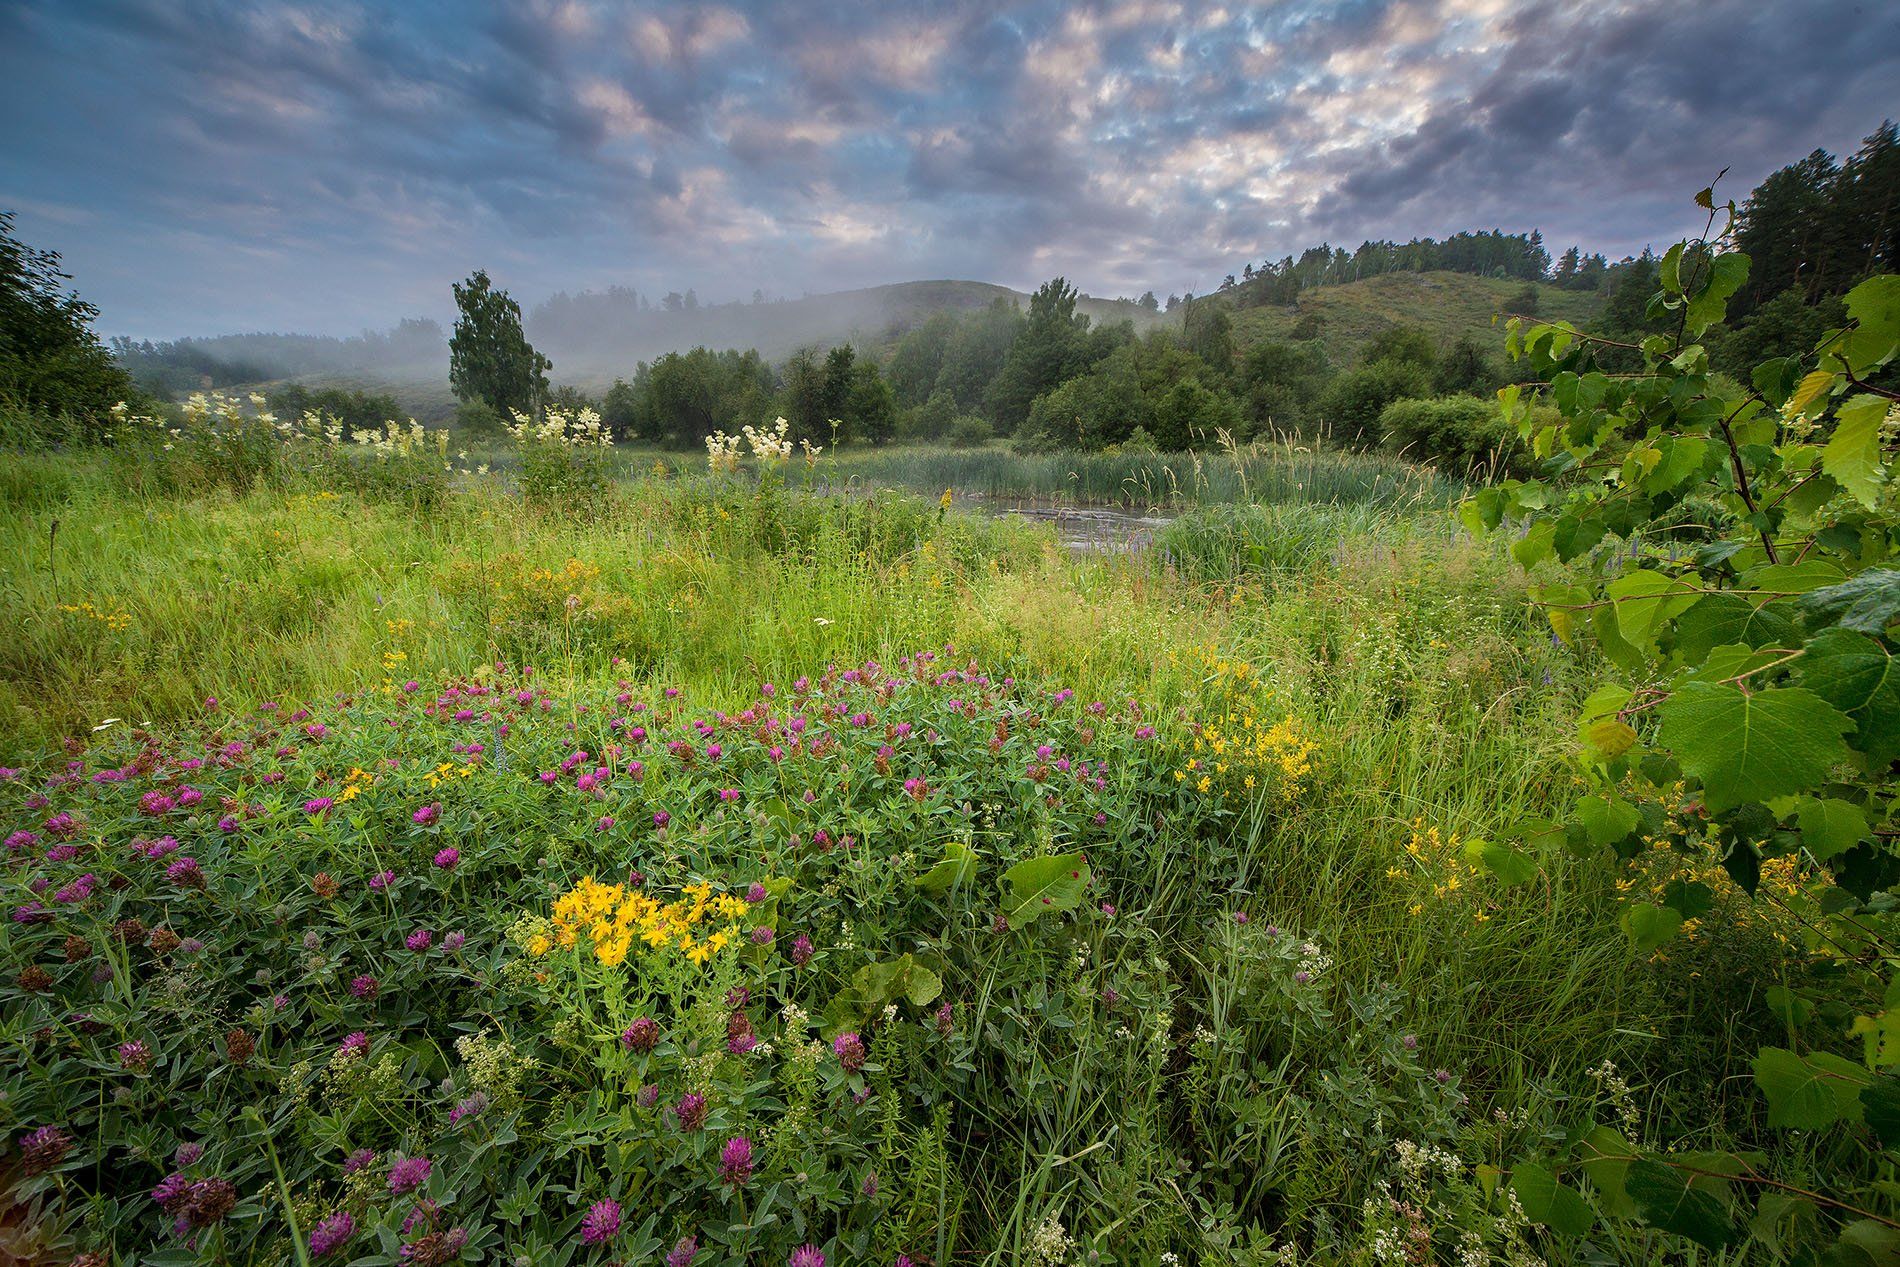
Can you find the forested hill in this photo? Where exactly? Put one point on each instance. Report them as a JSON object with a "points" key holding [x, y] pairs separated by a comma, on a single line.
{"points": [[1449, 306]]}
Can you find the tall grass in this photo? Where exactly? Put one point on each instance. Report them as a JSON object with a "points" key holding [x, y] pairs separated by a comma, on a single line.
{"points": [[1225, 543], [141, 607], [1268, 473]]}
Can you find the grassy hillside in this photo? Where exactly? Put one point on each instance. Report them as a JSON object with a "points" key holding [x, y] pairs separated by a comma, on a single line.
{"points": [[1446, 304]]}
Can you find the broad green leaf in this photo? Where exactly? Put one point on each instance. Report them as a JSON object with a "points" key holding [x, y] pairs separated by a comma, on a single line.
{"points": [[1880, 1108], [1726, 275], [1852, 456], [1040, 885], [1609, 737], [1856, 675], [1681, 458], [1534, 546], [1875, 303], [1513, 866], [922, 986], [1864, 1243], [1755, 747], [1606, 819], [1779, 579], [1867, 603], [1606, 1158], [1810, 391], [1690, 899], [1650, 926], [1545, 1200], [1798, 1096], [1643, 601], [957, 868], [1665, 1200], [1830, 827], [1669, 269], [1720, 619]]}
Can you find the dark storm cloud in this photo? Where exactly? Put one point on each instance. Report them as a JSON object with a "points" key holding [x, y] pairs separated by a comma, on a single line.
{"points": [[211, 164]]}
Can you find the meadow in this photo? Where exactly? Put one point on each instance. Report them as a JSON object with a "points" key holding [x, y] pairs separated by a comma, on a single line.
{"points": [[599, 862]]}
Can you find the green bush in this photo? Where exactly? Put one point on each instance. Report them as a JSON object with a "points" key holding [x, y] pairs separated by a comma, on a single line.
{"points": [[1351, 407], [1462, 434], [968, 431]]}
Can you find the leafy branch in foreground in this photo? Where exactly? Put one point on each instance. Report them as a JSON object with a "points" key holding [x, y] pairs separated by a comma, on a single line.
{"points": [[1729, 550]]}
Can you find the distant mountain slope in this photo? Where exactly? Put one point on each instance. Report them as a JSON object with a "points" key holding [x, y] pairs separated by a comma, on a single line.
{"points": [[1445, 304]]}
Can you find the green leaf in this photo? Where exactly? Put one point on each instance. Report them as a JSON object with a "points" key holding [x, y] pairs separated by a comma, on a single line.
{"points": [[1669, 269], [1606, 819], [1534, 546], [1756, 747], [1558, 1207], [1666, 1201], [957, 868], [1726, 275], [1875, 303], [1041, 885], [1810, 391], [1830, 827], [1606, 1158], [1513, 866], [1880, 1107], [1857, 675], [1852, 456], [877, 984], [1682, 458], [1645, 599], [1798, 1097], [1691, 899], [1724, 619], [1864, 1243], [1650, 926], [1867, 603]]}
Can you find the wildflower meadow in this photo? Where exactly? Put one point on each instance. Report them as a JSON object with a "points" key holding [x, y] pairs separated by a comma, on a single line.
{"points": [[549, 854]]}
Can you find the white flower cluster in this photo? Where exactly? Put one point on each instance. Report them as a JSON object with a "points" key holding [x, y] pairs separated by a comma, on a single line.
{"points": [[393, 440], [1616, 1089], [770, 446], [722, 452], [1419, 1163], [577, 429], [218, 415], [1049, 1243]]}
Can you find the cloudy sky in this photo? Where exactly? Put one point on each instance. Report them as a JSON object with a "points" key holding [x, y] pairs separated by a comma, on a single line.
{"points": [[215, 165]]}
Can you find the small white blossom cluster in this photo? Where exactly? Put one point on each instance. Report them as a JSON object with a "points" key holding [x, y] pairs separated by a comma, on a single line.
{"points": [[1049, 1243], [1616, 1089], [577, 429], [722, 452], [770, 446], [1418, 1163]]}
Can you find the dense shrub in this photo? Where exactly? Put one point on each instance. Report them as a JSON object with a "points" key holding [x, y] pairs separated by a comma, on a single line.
{"points": [[1462, 434], [1352, 404], [968, 431]]}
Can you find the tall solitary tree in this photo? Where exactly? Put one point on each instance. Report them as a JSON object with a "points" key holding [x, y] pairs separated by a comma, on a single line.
{"points": [[490, 359], [1048, 350]]}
